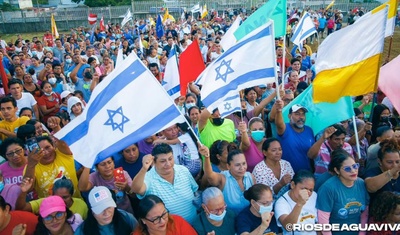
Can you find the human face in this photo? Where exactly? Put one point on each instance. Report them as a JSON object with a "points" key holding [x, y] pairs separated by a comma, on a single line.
{"points": [[251, 96], [19, 71], [194, 115], [390, 161], [8, 111], [257, 126], [265, 199], [159, 215], [386, 136], [215, 206], [307, 184], [131, 153], [297, 119], [16, 90], [47, 88], [394, 217], [274, 152], [65, 195], [106, 168], [288, 98], [39, 128], [279, 51], [105, 217], [385, 113], [154, 71], [171, 132], [55, 221], [164, 164], [190, 100], [296, 66], [238, 165], [27, 113], [15, 155], [345, 176], [49, 153], [294, 76], [76, 109], [27, 78], [336, 141]]}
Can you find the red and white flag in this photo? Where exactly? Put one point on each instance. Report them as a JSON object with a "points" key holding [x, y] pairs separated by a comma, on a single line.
{"points": [[92, 18], [102, 26]]}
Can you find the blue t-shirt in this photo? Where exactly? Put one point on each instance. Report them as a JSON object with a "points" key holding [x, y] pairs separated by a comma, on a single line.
{"points": [[247, 222], [131, 168], [295, 146], [345, 204], [322, 22], [84, 86], [391, 186]]}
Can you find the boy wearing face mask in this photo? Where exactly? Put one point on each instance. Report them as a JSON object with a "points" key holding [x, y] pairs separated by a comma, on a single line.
{"points": [[215, 217]]}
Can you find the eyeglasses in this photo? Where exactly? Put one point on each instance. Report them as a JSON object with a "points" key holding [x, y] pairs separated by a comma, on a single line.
{"points": [[11, 154], [265, 204], [157, 220], [58, 216], [348, 169], [217, 211]]}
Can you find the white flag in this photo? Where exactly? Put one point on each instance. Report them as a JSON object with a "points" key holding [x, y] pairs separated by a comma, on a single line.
{"points": [[240, 67], [230, 105], [171, 79], [127, 17], [196, 8], [120, 56], [122, 110], [228, 40], [304, 29]]}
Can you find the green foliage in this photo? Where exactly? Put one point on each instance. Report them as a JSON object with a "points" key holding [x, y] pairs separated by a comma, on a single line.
{"points": [[7, 7]]}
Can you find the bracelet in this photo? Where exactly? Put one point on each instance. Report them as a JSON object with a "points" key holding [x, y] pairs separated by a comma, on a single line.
{"points": [[389, 174]]}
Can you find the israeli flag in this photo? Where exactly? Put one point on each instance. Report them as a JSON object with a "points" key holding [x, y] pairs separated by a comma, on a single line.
{"points": [[305, 28], [171, 76], [120, 55], [126, 107], [230, 105], [127, 17], [250, 62]]}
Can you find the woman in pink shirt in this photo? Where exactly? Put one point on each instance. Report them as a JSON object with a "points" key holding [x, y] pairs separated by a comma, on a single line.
{"points": [[252, 141], [12, 169]]}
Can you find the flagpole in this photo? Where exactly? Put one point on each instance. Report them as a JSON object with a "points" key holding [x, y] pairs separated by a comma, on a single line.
{"points": [[389, 50], [241, 113], [356, 135], [283, 64]]}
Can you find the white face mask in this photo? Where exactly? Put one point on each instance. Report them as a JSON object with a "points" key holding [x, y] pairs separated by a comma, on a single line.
{"points": [[217, 217], [52, 81], [264, 209]]}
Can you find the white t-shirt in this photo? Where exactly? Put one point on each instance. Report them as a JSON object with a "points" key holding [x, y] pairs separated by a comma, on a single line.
{"points": [[26, 100], [191, 146], [284, 206]]}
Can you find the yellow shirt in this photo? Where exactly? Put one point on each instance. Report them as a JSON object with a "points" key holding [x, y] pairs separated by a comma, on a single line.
{"points": [[11, 126], [46, 175]]}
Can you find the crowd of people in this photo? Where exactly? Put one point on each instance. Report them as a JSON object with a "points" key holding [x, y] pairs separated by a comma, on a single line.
{"points": [[252, 173]]}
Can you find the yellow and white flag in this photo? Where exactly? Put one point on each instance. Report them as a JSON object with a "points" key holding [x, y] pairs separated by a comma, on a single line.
{"points": [[204, 11], [391, 16], [54, 30], [167, 17], [349, 60], [330, 5]]}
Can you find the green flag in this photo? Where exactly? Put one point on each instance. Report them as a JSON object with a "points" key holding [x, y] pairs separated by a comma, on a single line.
{"points": [[321, 115], [273, 9]]}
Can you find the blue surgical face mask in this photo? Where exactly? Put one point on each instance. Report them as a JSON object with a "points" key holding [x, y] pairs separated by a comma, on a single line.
{"points": [[264, 209], [34, 53], [1, 186], [257, 136], [217, 217], [189, 105], [112, 47]]}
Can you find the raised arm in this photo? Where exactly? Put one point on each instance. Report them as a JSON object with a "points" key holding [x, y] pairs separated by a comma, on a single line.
{"points": [[280, 124], [215, 179], [205, 114], [84, 184], [314, 150], [138, 186]]}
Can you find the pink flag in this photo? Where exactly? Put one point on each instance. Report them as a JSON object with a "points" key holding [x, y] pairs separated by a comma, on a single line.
{"points": [[389, 81]]}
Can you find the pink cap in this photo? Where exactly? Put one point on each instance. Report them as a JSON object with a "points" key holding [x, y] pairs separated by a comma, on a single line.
{"points": [[52, 204]]}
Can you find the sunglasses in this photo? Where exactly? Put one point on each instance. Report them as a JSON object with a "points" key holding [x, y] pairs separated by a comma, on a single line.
{"points": [[348, 169]]}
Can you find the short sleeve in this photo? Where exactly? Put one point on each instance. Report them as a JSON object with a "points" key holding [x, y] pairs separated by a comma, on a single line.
{"points": [[325, 199], [35, 205], [281, 207], [242, 224]]}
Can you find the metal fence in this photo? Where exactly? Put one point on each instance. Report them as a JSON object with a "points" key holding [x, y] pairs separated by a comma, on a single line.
{"points": [[141, 9]]}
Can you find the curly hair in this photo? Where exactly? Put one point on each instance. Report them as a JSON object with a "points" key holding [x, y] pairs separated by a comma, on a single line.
{"points": [[386, 205], [387, 146]]}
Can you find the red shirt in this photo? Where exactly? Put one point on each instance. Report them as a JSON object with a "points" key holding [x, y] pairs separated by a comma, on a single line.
{"points": [[21, 217], [44, 101], [181, 227]]}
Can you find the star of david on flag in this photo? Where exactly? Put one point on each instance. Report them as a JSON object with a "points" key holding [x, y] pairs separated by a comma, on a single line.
{"points": [[122, 110], [230, 105], [250, 62]]}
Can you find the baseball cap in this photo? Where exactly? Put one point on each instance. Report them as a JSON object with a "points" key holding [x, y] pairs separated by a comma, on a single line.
{"points": [[52, 204], [296, 108], [100, 199], [65, 94]]}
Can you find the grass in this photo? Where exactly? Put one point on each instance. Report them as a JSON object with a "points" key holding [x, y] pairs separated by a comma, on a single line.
{"points": [[395, 50]]}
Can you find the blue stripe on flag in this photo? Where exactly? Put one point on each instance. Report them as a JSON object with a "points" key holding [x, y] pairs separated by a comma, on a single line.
{"points": [[300, 26], [306, 34], [231, 111], [174, 90], [231, 98], [116, 85], [143, 132], [261, 34], [234, 84]]}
